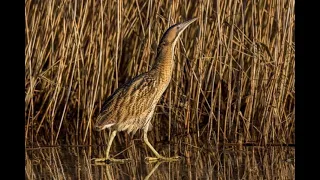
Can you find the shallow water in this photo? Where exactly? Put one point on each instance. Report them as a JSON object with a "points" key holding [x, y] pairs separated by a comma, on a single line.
{"points": [[227, 162]]}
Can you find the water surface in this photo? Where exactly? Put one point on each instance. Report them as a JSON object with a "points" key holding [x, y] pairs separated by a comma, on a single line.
{"points": [[226, 162]]}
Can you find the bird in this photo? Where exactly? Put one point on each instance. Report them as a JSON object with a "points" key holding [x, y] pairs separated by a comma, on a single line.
{"points": [[131, 106]]}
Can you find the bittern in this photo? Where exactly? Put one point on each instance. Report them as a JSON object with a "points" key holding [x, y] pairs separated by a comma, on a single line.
{"points": [[132, 105]]}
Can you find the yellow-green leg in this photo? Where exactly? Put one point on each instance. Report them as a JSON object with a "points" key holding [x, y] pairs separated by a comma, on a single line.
{"points": [[108, 159], [158, 156]]}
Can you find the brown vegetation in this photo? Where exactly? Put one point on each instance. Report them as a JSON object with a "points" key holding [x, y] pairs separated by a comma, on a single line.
{"points": [[233, 80]]}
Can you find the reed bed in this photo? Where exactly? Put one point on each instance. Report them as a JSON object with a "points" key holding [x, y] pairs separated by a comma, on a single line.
{"points": [[233, 80]]}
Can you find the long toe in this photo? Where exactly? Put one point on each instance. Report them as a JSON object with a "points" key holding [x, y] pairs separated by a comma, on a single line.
{"points": [[110, 160], [161, 158]]}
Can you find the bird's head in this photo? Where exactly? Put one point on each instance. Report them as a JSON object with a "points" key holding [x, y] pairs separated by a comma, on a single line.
{"points": [[172, 34]]}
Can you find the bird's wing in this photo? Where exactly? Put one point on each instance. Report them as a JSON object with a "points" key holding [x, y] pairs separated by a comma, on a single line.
{"points": [[130, 100]]}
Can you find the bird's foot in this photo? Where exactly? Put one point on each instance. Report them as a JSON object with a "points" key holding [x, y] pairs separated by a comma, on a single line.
{"points": [[161, 158], [110, 160]]}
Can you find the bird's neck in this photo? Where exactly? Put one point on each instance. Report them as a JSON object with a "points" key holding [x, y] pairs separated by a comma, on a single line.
{"points": [[164, 63]]}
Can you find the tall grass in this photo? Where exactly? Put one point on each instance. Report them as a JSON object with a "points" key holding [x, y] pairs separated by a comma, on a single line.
{"points": [[234, 68]]}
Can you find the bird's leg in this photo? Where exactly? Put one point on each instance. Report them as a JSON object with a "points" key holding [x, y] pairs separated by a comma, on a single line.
{"points": [[113, 135], [108, 159], [158, 156]]}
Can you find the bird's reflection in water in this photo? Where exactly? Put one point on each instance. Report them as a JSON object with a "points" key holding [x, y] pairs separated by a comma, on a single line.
{"points": [[108, 169], [76, 163]]}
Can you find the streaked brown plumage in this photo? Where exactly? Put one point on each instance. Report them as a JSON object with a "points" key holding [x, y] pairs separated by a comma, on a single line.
{"points": [[131, 106]]}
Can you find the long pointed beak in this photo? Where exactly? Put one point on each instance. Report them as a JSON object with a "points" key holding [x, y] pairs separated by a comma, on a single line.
{"points": [[184, 25]]}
